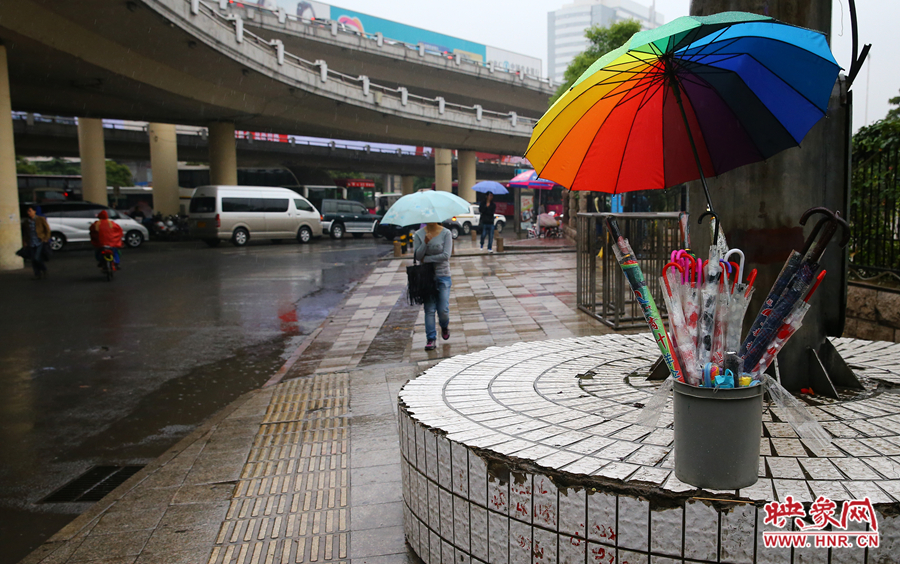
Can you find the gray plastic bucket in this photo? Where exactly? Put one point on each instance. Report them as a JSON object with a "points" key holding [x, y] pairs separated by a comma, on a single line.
{"points": [[717, 434]]}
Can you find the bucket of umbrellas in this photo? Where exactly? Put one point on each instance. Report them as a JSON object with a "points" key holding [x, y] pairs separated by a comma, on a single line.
{"points": [[718, 375]]}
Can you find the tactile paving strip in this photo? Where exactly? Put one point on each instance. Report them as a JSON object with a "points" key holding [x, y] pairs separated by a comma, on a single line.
{"points": [[291, 503]]}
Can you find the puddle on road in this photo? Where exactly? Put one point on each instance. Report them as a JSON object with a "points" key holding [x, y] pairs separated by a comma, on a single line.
{"points": [[171, 412]]}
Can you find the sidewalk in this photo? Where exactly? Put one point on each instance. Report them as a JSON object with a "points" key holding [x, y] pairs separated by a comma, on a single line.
{"points": [[308, 469]]}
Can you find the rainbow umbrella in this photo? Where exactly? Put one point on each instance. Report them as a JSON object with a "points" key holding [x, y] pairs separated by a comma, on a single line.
{"points": [[695, 97]]}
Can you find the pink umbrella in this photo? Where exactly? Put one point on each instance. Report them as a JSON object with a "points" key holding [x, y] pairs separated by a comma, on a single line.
{"points": [[529, 179]]}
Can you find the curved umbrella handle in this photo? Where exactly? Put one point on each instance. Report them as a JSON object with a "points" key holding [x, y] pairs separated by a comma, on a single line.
{"points": [[716, 218]]}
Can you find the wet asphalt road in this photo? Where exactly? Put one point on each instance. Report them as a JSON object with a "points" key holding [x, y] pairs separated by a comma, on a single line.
{"points": [[114, 373]]}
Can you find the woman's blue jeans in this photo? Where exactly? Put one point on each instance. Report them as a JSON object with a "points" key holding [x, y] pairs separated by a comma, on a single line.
{"points": [[487, 230], [441, 304]]}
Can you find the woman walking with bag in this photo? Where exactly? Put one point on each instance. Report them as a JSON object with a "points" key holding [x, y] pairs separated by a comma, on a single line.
{"points": [[434, 244]]}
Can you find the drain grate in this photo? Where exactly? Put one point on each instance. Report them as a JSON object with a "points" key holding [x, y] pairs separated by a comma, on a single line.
{"points": [[93, 485]]}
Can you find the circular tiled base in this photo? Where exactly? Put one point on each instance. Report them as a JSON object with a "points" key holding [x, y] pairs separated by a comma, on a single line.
{"points": [[531, 453]]}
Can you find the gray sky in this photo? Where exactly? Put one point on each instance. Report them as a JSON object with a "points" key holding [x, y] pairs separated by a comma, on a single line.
{"points": [[521, 26]]}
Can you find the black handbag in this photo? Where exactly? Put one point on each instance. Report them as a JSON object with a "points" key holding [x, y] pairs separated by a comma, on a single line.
{"points": [[420, 282], [25, 253]]}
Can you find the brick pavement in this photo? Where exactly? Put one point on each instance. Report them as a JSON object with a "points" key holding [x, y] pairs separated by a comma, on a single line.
{"points": [[308, 470]]}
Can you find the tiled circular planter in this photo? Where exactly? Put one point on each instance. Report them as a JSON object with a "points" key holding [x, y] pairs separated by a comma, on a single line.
{"points": [[510, 457]]}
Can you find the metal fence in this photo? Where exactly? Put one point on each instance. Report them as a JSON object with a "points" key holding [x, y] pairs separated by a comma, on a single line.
{"points": [[602, 289], [875, 213]]}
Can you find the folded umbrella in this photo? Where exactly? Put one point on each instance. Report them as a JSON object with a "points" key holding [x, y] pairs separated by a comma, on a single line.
{"points": [[635, 276]]}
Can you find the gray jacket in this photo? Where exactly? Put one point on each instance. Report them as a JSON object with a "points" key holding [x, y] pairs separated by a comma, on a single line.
{"points": [[437, 251]]}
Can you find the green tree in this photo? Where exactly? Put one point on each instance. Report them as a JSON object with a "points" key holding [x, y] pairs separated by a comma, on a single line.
{"points": [[25, 167], [118, 174], [875, 193], [58, 166], [893, 113], [602, 41]]}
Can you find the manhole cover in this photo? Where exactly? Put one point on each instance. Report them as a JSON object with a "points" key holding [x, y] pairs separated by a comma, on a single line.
{"points": [[93, 485]]}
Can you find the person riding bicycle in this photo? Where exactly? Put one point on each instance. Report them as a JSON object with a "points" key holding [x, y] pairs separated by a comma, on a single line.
{"points": [[106, 233]]}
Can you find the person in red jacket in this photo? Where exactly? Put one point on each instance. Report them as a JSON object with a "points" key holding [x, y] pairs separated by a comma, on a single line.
{"points": [[106, 233]]}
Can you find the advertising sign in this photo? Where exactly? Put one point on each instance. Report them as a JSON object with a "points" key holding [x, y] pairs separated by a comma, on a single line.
{"points": [[438, 42], [513, 62]]}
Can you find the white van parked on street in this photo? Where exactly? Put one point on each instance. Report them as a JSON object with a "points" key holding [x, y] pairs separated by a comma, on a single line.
{"points": [[241, 213]]}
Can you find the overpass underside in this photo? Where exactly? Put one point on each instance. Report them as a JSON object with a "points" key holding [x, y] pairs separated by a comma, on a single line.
{"points": [[154, 60], [61, 140]]}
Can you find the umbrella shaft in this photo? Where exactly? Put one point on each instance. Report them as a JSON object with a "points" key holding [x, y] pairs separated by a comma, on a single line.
{"points": [[687, 126]]}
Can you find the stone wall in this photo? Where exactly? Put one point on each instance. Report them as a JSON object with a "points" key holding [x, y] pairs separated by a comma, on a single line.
{"points": [[872, 313]]}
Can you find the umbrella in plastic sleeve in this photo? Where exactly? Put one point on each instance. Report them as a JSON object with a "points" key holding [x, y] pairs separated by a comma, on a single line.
{"points": [[685, 345], [791, 323], [790, 268], [709, 297], [795, 289], [635, 276]]}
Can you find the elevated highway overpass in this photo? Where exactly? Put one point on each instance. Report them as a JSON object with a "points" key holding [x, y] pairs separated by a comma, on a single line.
{"points": [[458, 79], [60, 139], [186, 62]]}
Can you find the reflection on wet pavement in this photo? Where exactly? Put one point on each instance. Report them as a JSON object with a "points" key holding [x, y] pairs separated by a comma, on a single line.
{"points": [[96, 372]]}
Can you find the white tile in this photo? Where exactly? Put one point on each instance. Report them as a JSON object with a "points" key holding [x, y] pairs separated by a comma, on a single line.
{"points": [[461, 523], [519, 542], [601, 517], [889, 539], [634, 523], [543, 546], [479, 528], [460, 463], [666, 530], [448, 554], [702, 521], [545, 503], [520, 497], [446, 501], [736, 544], [443, 462], [434, 545], [498, 538], [477, 479], [816, 556], [626, 556], [572, 512], [434, 507], [571, 549], [601, 554], [498, 494]]}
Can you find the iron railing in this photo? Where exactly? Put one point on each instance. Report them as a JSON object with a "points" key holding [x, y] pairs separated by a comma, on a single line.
{"points": [[875, 212], [601, 287]]}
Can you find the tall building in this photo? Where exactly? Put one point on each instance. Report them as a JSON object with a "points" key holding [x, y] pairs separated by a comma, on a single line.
{"points": [[566, 26]]}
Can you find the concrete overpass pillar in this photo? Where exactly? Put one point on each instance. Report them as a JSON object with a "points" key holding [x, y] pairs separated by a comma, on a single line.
{"points": [[164, 164], [10, 229], [443, 169], [466, 164], [93, 160], [408, 185], [222, 154]]}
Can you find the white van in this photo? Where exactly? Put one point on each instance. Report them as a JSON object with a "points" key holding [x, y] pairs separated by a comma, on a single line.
{"points": [[239, 213]]}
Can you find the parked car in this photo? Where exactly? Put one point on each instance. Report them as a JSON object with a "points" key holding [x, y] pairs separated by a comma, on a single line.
{"points": [[346, 216], [239, 213], [70, 222], [466, 222]]}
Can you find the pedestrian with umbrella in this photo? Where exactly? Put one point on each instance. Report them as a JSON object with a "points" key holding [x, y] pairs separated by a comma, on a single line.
{"points": [[486, 210], [432, 244]]}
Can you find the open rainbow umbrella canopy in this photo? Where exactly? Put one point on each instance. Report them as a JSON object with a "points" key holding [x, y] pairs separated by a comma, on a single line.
{"points": [[748, 87]]}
